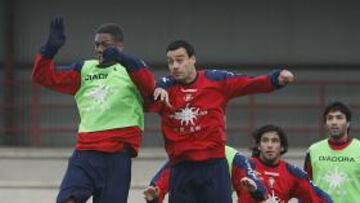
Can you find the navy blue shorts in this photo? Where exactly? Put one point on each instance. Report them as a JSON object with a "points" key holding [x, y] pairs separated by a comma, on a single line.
{"points": [[205, 182], [105, 176]]}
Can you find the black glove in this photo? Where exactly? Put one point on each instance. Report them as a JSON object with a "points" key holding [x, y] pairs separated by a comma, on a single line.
{"points": [[56, 38], [112, 55]]}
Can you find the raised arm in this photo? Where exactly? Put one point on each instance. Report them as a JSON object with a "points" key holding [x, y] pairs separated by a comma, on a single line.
{"points": [[66, 79], [136, 68]]}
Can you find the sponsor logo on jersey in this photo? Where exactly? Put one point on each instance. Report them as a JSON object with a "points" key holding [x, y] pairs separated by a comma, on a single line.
{"points": [[336, 158], [269, 173], [96, 76]]}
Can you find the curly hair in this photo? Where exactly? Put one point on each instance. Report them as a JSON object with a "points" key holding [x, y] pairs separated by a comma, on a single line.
{"points": [[113, 29], [258, 133]]}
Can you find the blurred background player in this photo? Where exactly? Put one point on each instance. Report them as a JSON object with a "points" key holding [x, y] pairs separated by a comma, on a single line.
{"points": [[334, 163], [107, 93], [194, 127], [242, 176], [283, 180]]}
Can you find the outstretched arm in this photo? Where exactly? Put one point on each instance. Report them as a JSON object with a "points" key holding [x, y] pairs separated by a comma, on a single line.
{"points": [[67, 79], [235, 85]]}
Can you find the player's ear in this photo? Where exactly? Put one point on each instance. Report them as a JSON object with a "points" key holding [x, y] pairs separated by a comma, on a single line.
{"points": [[193, 59], [282, 149], [120, 45]]}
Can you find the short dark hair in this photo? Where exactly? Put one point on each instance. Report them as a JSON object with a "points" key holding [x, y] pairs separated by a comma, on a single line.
{"points": [[113, 29], [181, 44], [257, 134], [337, 106]]}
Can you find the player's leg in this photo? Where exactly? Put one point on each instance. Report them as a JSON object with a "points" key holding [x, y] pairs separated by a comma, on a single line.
{"points": [[117, 178], [182, 188], [216, 185], [76, 185]]}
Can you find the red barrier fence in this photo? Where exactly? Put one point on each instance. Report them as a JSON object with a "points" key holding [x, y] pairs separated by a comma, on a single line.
{"points": [[29, 98]]}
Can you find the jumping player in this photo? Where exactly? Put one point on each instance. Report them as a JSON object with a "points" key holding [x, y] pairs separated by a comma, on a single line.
{"points": [[108, 92], [194, 127]]}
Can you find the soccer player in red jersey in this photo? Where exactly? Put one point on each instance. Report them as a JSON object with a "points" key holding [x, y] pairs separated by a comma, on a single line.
{"points": [[283, 180], [242, 176], [194, 126]]}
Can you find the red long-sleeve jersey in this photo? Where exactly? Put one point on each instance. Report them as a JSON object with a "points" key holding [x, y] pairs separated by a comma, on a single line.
{"points": [[67, 80], [285, 181], [194, 128]]}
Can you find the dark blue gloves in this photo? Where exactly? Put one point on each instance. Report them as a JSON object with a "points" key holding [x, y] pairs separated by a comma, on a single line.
{"points": [[113, 55], [56, 38], [274, 74]]}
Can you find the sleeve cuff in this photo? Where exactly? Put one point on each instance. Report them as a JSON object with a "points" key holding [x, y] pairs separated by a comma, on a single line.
{"points": [[48, 52], [133, 63], [274, 76]]}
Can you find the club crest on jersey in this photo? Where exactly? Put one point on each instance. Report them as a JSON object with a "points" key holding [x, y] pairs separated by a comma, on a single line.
{"points": [[188, 97], [271, 182], [188, 94]]}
